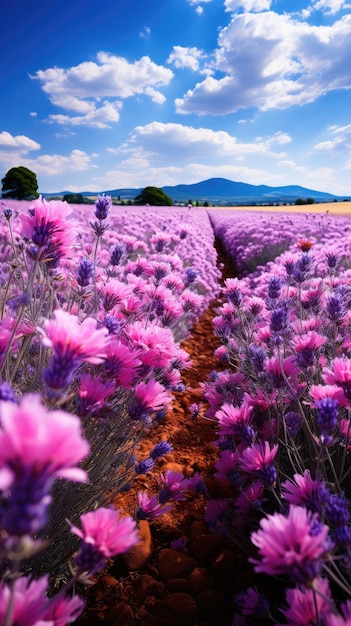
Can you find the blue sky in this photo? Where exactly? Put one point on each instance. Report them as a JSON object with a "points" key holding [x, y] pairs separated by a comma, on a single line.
{"points": [[107, 94]]}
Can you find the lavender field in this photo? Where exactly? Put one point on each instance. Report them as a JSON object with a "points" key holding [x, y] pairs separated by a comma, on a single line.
{"points": [[95, 304]]}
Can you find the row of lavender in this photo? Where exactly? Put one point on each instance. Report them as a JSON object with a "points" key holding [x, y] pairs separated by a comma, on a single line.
{"points": [[283, 411], [93, 309]]}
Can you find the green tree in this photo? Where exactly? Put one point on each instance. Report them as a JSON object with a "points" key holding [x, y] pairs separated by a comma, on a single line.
{"points": [[20, 183], [153, 196], [76, 198]]}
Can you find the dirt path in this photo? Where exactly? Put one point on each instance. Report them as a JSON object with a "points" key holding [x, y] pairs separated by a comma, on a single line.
{"points": [[157, 585]]}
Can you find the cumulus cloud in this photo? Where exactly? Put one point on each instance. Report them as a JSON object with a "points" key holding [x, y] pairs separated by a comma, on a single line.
{"points": [[268, 60], [185, 57], [330, 7], [186, 143], [50, 164], [98, 117], [80, 88], [248, 5], [20, 143]]}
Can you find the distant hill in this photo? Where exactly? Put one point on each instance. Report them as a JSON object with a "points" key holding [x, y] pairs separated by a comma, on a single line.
{"points": [[221, 191]]}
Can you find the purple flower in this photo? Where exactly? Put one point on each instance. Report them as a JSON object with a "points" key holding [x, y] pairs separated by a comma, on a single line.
{"points": [[144, 466], [150, 508], [102, 207], [327, 416], [161, 449], [85, 272]]}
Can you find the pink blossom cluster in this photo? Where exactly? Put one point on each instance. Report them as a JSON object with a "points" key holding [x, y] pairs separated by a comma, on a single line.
{"points": [[95, 302], [255, 238], [282, 407]]}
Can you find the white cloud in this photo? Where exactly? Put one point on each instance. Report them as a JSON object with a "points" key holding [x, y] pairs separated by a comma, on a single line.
{"points": [[79, 88], [185, 57], [20, 143], [267, 60], [50, 164], [185, 143], [330, 7], [95, 117], [330, 146], [145, 32], [248, 5], [33, 114]]}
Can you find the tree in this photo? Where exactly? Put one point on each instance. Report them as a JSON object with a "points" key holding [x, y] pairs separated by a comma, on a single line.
{"points": [[20, 183], [153, 196], [76, 198]]}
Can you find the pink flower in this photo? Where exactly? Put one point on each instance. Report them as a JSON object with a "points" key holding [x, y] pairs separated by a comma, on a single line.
{"points": [[41, 442], [306, 606], [29, 602], [148, 397], [114, 293], [250, 499], [339, 374], [156, 344], [290, 545], [305, 491], [230, 417], [257, 457], [108, 532], [93, 392], [46, 224], [80, 341], [122, 363], [36, 447], [319, 392], [174, 484], [63, 610], [149, 507]]}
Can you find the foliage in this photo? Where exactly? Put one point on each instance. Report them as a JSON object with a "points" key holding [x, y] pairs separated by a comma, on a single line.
{"points": [[76, 198], [20, 183], [154, 197]]}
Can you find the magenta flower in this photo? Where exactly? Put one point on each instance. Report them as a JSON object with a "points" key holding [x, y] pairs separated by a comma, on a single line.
{"points": [[114, 293], [80, 341], [63, 610], [149, 507], [258, 459], [105, 534], [306, 606], [174, 484], [36, 447], [156, 344], [339, 373], [29, 603], [52, 234], [93, 393], [307, 347], [122, 363], [251, 499], [149, 397], [235, 421], [319, 392], [306, 491], [294, 545], [31, 607], [73, 342]]}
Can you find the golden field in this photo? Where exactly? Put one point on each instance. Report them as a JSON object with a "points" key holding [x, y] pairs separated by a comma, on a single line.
{"points": [[333, 208]]}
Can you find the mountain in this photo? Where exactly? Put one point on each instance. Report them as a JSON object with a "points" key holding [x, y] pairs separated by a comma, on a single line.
{"points": [[221, 191]]}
